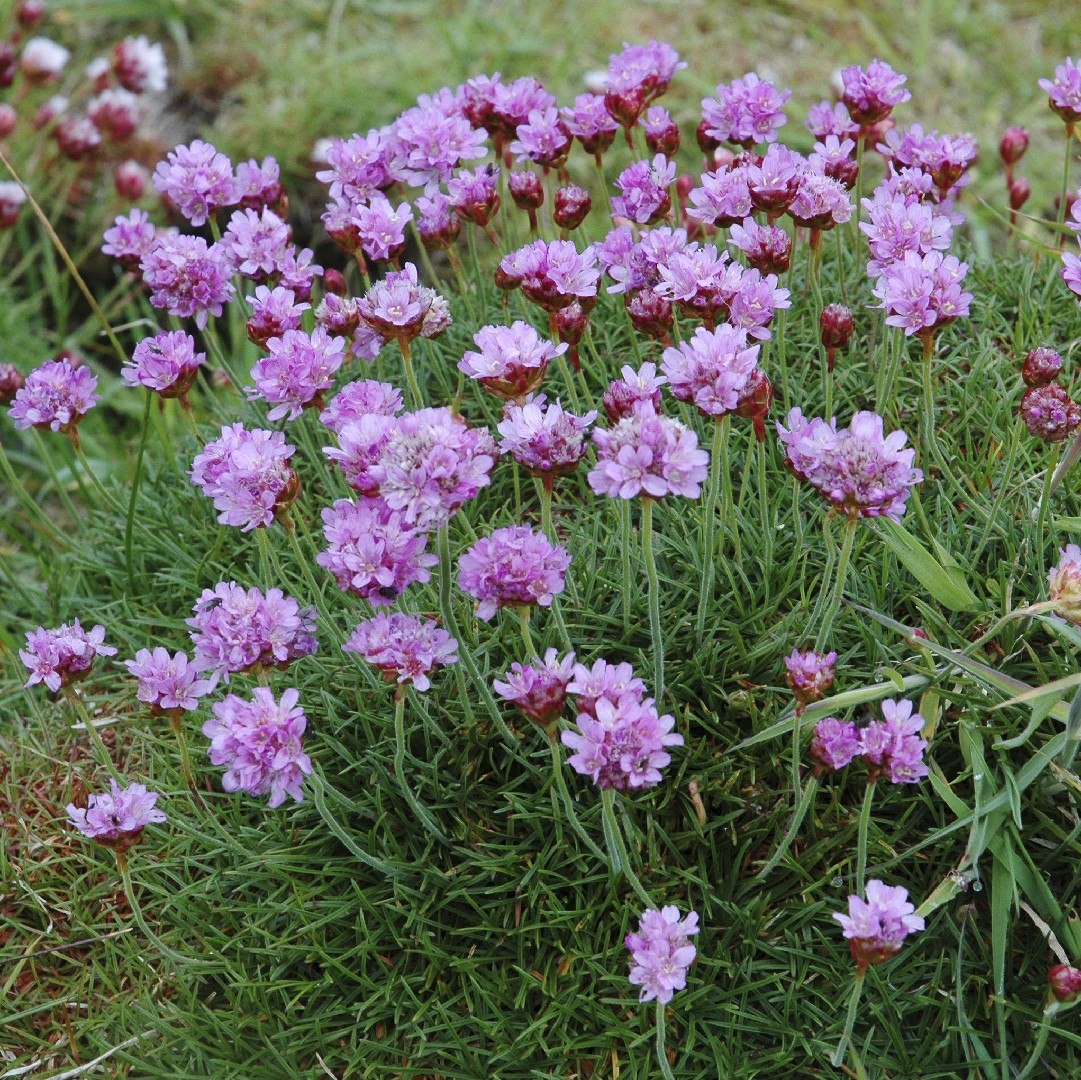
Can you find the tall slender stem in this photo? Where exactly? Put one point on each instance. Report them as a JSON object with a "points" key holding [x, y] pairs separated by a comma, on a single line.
{"points": [[805, 802], [709, 517], [410, 374], [423, 815], [928, 394], [839, 582], [95, 483], [527, 638], [1041, 1040], [1065, 175], [861, 839], [81, 712], [185, 761], [850, 1020], [568, 801], [137, 911], [546, 508], [1045, 502], [621, 859], [661, 1045], [654, 599], [626, 529], [129, 525]]}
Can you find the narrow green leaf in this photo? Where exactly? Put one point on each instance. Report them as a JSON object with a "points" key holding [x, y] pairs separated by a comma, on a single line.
{"points": [[947, 584]]}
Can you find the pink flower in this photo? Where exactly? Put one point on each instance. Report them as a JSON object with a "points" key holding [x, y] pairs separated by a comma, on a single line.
{"points": [[543, 438], [712, 369], [166, 363], [514, 566], [603, 680], [835, 743], [116, 818], [55, 395], [197, 179], [870, 96], [511, 360], [167, 682], [877, 926], [891, 746], [539, 689], [809, 674], [1064, 91], [1064, 584], [58, 657], [746, 111], [186, 277], [297, 371], [404, 647], [661, 953]]}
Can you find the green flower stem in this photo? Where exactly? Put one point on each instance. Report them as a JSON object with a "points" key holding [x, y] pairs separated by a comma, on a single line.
{"points": [[626, 539], [806, 800], [82, 714], [568, 377], [29, 502], [765, 508], [1011, 460], [423, 815], [463, 287], [329, 620], [546, 508], [527, 637], [654, 599], [1065, 174], [857, 217], [319, 788], [264, 558], [568, 801], [410, 374], [861, 840], [446, 570], [137, 912], [618, 854], [929, 395], [1045, 503], [1042, 1032], [839, 583], [840, 271], [95, 483], [129, 525], [782, 321], [850, 1020], [709, 517], [662, 1045], [185, 761]]}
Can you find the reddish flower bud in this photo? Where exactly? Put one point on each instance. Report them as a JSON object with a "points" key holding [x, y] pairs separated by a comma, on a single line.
{"points": [[11, 382], [755, 401], [77, 137], [526, 189], [650, 313], [625, 107], [835, 325], [844, 170], [1049, 413], [506, 282], [571, 204], [9, 118], [334, 282], [8, 66], [48, 111], [1012, 145], [131, 180], [1065, 983], [1041, 366], [29, 13], [1019, 192], [663, 139], [707, 143]]}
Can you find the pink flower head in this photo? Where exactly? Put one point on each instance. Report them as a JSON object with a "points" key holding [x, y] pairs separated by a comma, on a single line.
{"points": [[400, 309], [256, 242], [539, 688], [381, 227], [553, 274], [437, 224], [624, 745], [12, 200], [1049, 412], [662, 134], [899, 224], [624, 394], [404, 647], [236, 629], [166, 363], [768, 247], [870, 96], [1064, 584], [258, 186], [338, 315], [1064, 91], [649, 68], [273, 313], [186, 277], [877, 926], [358, 167], [747, 111], [116, 818], [260, 743], [543, 438], [543, 139], [432, 464], [514, 566], [661, 953], [361, 398], [55, 395], [360, 445], [809, 674], [612, 682], [590, 123], [835, 743], [1065, 983], [140, 66], [724, 199], [474, 194], [835, 157], [372, 552], [61, 656], [1042, 366], [167, 683], [923, 293], [114, 112], [831, 118], [248, 476], [821, 202], [297, 272], [891, 746], [297, 370], [644, 188], [197, 179], [649, 455], [43, 59], [711, 369], [856, 469], [428, 142], [500, 107], [945, 158], [511, 360]]}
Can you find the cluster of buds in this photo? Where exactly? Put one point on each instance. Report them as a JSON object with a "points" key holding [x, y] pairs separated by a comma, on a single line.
{"points": [[1047, 409], [1011, 148]]}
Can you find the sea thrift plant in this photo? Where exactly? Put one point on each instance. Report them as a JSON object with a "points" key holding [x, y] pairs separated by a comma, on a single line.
{"points": [[55, 396], [539, 688], [514, 566], [405, 648], [166, 363], [809, 674], [167, 683], [510, 361], [891, 746], [60, 656], [116, 818], [661, 953]]}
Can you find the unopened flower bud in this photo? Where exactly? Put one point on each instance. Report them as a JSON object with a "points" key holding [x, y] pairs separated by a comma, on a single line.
{"points": [[334, 282], [9, 118], [1049, 413], [8, 66], [570, 206], [48, 111], [1019, 192], [707, 143], [754, 402], [1012, 145], [29, 13], [11, 382], [835, 325], [526, 189], [131, 180], [650, 313], [1065, 983], [662, 135], [77, 137], [1041, 366]]}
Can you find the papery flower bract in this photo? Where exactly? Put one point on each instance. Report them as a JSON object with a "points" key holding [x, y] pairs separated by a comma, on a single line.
{"points": [[856, 469], [623, 746], [513, 566], [538, 688], [877, 926], [432, 464], [891, 746], [711, 369], [1064, 584], [835, 743], [55, 395], [186, 277], [167, 682], [404, 647], [511, 360], [166, 363], [117, 817], [372, 551], [197, 179], [647, 454], [603, 680], [297, 370], [809, 674], [661, 953], [236, 629], [248, 476], [542, 438], [59, 656], [260, 743]]}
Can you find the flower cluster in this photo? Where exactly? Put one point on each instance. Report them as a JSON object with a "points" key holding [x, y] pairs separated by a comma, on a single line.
{"points": [[260, 743], [167, 683], [166, 363], [890, 747], [510, 361], [538, 688], [55, 395], [809, 674], [876, 927], [404, 647], [514, 566], [116, 818], [661, 953], [60, 656], [296, 371], [543, 438]]}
